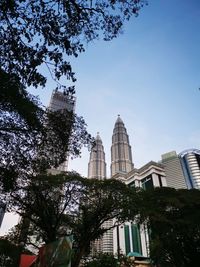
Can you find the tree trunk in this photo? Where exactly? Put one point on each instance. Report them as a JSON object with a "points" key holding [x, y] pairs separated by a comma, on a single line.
{"points": [[78, 256]]}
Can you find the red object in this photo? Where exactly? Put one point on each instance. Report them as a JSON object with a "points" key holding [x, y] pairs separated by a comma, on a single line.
{"points": [[27, 260]]}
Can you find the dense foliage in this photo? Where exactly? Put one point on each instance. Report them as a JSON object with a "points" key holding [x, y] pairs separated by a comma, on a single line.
{"points": [[33, 139], [9, 253], [59, 205], [103, 260], [36, 33], [63, 205], [173, 219], [44, 32]]}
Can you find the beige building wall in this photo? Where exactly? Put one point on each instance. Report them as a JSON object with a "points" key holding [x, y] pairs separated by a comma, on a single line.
{"points": [[173, 170]]}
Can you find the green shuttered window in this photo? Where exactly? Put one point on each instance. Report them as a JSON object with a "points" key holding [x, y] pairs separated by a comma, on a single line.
{"points": [[136, 238]]}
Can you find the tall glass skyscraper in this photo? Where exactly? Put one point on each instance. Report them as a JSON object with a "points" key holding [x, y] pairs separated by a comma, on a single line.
{"points": [[174, 173], [190, 161]]}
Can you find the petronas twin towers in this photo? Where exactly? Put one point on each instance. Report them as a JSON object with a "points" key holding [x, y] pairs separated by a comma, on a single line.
{"points": [[121, 155], [121, 162]]}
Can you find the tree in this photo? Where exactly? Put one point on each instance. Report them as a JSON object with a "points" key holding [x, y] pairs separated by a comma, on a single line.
{"points": [[44, 32], [9, 253], [104, 200], [35, 33], [103, 260], [173, 219], [40, 32], [59, 205], [109, 260], [33, 139]]}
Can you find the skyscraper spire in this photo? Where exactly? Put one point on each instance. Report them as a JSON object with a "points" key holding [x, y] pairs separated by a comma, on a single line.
{"points": [[121, 155], [97, 164]]}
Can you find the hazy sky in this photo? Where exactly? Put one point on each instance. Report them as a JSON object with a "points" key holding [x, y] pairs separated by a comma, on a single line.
{"points": [[150, 75]]}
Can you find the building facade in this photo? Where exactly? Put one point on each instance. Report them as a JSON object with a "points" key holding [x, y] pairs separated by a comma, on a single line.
{"points": [[132, 236], [97, 170], [174, 173], [121, 154], [97, 163], [190, 161], [182, 170], [121, 162], [61, 101]]}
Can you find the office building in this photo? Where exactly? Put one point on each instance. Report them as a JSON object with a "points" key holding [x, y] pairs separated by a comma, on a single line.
{"points": [[190, 161], [132, 236], [174, 173]]}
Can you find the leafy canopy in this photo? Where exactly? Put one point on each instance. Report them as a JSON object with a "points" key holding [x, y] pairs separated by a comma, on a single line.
{"points": [[59, 205], [44, 32], [173, 218], [33, 139]]}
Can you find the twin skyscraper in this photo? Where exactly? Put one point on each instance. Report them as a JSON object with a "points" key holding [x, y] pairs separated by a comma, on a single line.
{"points": [[121, 155], [121, 162]]}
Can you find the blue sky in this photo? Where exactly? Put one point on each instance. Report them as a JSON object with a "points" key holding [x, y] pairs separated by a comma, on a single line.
{"points": [[150, 75]]}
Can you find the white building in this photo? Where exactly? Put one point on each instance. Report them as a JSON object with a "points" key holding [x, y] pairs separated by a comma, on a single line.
{"points": [[134, 237]]}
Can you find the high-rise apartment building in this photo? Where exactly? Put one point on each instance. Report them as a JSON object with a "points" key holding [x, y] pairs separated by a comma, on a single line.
{"points": [[174, 173], [61, 101], [190, 161]]}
